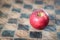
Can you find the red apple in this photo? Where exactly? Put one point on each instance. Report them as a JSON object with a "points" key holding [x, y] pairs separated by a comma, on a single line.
{"points": [[39, 19]]}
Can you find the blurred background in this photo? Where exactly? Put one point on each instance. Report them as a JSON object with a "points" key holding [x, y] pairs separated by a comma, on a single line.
{"points": [[14, 20]]}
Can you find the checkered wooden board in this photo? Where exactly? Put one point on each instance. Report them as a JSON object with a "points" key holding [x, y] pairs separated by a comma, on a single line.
{"points": [[14, 20]]}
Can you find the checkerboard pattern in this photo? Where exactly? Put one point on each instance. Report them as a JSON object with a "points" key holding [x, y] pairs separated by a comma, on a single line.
{"points": [[14, 20]]}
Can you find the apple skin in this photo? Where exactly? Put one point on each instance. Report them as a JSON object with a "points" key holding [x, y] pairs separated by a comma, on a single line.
{"points": [[39, 22]]}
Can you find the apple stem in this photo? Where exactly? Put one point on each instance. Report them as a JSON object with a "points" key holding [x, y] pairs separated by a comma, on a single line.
{"points": [[38, 14]]}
